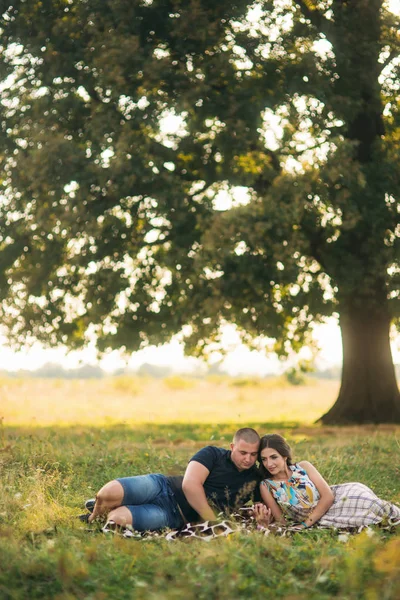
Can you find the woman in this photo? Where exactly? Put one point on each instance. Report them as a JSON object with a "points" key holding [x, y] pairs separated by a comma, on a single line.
{"points": [[298, 494]]}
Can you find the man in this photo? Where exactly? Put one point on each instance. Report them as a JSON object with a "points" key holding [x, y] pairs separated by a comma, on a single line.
{"points": [[215, 480]]}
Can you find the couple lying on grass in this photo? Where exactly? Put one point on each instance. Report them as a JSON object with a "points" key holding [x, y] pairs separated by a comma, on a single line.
{"points": [[217, 480]]}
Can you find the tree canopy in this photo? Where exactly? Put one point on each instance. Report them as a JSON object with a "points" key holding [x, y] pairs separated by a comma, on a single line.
{"points": [[109, 224]]}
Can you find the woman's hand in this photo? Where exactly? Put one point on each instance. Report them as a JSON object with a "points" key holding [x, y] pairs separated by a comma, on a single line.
{"points": [[262, 514]]}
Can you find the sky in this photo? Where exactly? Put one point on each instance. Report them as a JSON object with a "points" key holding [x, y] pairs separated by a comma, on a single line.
{"points": [[239, 359]]}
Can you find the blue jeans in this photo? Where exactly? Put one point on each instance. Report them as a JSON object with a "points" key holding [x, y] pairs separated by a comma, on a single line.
{"points": [[151, 502]]}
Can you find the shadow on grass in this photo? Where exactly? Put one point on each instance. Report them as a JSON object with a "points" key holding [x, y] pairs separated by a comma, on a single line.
{"points": [[177, 434]]}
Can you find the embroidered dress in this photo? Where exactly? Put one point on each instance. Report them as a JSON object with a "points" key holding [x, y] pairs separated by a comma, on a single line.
{"points": [[354, 504]]}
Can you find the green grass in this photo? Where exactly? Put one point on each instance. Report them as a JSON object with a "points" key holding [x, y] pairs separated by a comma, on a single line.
{"points": [[45, 552]]}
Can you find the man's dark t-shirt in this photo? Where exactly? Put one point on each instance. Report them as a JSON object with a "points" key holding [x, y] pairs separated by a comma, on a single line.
{"points": [[226, 487]]}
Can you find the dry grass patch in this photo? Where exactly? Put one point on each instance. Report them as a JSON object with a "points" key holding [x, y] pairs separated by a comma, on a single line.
{"points": [[125, 400]]}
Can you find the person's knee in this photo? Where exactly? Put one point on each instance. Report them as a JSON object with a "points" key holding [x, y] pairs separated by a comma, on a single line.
{"points": [[121, 516], [110, 494]]}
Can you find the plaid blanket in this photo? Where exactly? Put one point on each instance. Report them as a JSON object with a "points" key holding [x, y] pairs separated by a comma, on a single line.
{"points": [[356, 505]]}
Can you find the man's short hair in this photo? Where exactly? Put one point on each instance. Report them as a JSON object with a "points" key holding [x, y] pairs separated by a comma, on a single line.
{"points": [[247, 434]]}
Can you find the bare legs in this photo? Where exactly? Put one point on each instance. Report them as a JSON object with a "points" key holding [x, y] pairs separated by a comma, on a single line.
{"points": [[109, 500]]}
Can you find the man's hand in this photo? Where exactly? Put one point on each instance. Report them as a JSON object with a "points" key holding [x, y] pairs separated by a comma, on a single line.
{"points": [[262, 514]]}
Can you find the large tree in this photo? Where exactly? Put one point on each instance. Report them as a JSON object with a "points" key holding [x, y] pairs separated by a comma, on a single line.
{"points": [[108, 222]]}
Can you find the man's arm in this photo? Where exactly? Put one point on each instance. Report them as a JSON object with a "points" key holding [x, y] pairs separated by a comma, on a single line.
{"points": [[193, 488]]}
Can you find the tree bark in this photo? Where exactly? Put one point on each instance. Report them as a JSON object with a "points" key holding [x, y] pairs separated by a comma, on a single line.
{"points": [[369, 392]]}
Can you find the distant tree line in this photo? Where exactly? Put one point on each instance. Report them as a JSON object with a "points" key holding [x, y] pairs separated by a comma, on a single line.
{"points": [[56, 371]]}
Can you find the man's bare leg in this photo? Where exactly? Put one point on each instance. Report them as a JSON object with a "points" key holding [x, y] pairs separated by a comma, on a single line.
{"points": [[121, 516], [109, 497]]}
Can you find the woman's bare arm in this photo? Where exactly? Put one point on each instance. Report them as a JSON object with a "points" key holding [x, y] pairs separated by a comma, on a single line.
{"points": [[325, 492]]}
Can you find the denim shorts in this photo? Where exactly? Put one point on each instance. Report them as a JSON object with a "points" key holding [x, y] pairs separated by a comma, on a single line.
{"points": [[151, 502]]}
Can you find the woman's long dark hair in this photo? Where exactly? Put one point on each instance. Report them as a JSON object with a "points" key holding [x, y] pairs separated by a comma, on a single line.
{"points": [[278, 443]]}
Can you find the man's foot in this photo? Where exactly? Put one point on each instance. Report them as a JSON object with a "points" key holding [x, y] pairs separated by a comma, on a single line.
{"points": [[89, 504]]}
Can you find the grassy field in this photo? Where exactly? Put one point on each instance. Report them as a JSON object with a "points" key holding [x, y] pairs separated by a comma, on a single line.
{"points": [[60, 441]]}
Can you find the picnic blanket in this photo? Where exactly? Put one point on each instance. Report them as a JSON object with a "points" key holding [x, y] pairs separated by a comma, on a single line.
{"points": [[236, 523]]}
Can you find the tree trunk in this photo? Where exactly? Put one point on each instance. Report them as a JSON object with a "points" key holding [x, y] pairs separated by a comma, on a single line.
{"points": [[369, 391]]}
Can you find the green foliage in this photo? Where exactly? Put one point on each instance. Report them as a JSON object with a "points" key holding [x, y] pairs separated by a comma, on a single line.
{"points": [[45, 552], [120, 210], [295, 376]]}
